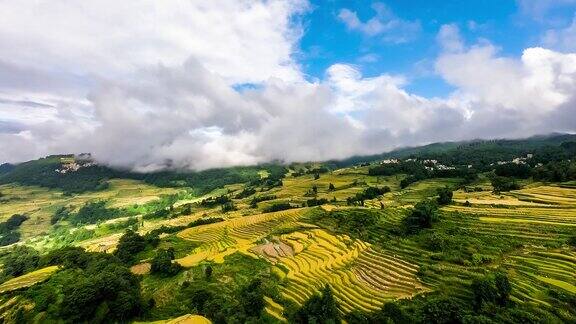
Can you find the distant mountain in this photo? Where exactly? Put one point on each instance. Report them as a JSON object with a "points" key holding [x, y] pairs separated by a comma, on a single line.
{"points": [[79, 174], [6, 167], [459, 152]]}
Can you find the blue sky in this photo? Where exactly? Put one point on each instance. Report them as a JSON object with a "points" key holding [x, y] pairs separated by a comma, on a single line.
{"points": [[508, 24]]}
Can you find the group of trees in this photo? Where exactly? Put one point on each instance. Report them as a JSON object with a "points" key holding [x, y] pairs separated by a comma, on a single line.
{"points": [[422, 216], [215, 201], [316, 202], [95, 287], [19, 260], [278, 207], [162, 263], [9, 233], [358, 223], [93, 212], [256, 199], [367, 194], [243, 305], [320, 308], [556, 171], [90, 286], [245, 193], [502, 184]]}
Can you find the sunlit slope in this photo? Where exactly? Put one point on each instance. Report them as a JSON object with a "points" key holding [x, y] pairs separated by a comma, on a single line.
{"points": [[28, 279], [236, 234], [362, 277]]}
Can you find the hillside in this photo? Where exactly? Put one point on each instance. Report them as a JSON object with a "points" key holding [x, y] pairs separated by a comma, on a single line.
{"points": [[482, 231]]}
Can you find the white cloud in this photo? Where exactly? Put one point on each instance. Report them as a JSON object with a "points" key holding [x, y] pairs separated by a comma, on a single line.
{"points": [[384, 24], [243, 41], [184, 112]]}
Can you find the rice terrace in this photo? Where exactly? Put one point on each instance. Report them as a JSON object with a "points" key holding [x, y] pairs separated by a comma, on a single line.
{"points": [[288, 161], [364, 236]]}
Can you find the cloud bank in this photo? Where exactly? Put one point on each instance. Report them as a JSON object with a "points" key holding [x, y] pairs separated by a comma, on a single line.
{"points": [[149, 85]]}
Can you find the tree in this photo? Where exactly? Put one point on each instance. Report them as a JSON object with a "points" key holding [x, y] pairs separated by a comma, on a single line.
{"points": [[441, 310], [20, 260], [492, 289], [162, 263], [252, 298], [501, 184], [444, 196], [423, 215], [316, 176], [503, 288], [130, 244], [331, 187], [60, 214], [391, 312], [319, 309], [208, 272], [572, 240]]}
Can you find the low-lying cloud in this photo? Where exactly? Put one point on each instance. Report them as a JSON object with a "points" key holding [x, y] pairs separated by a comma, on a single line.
{"points": [[216, 84]]}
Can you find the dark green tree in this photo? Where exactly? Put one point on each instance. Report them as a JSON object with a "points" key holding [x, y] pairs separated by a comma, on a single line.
{"points": [[252, 298], [130, 244], [423, 215], [208, 272], [444, 196], [321, 309], [162, 263], [20, 260]]}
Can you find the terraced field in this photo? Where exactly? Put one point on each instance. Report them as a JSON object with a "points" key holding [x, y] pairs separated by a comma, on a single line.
{"points": [[361, 277], [41, 203], [537, 270], [184, 319], [237, 234], [542, 213], [28, 279], [538, 217]]}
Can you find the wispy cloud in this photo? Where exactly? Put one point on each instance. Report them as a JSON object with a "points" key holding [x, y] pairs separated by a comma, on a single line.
{"points": [[383, 24]]}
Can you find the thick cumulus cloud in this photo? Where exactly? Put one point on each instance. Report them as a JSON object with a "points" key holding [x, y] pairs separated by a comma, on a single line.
{"points": [[193, 86]]}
